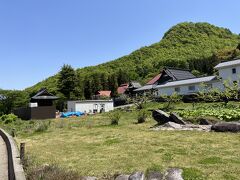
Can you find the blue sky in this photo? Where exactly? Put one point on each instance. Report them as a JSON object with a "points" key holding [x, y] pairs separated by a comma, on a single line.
{"points": [[38, 36]]}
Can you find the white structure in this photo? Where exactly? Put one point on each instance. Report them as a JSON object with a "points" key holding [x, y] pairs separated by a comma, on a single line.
{"points": [[228, 71], [188, 86], [90, 106]]}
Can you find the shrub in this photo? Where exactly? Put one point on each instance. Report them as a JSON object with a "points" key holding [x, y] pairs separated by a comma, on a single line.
{"points": [[115, 117], [154, 168], [47, 172], [142, 116], [42, 126], [192, 173], [61, 123], [8, 118], [174, 98]]}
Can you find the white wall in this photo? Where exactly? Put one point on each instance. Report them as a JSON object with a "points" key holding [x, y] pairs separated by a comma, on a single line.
{"points": [[226, 73], [89, 106], [184, 89]]}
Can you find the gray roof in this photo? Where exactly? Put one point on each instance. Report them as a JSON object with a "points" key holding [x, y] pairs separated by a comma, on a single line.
{"points": [[134, 84], [91, 101], [144, 88], [179, 74], [44, 94], [228, 63], [188, 81]]}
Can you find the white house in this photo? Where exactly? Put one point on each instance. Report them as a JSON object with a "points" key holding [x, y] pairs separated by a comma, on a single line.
{"points": [[228, 71], [90, 106], [189, 86]]}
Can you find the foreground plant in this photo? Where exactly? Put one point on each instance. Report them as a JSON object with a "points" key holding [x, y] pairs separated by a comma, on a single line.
{"points": [[115, 117], [142, 116]]}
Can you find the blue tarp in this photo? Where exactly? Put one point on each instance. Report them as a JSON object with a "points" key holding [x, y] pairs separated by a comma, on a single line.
{"points": [[70, 114]]}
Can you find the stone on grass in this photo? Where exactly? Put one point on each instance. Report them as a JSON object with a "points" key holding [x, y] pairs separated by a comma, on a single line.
{"points": [[88, 178], [160, 116], [136, 176], [207, 120], [226, 127], [174, 174], [122, 177], [203, 121], [176, 118], [172, 125], [154, 175]]}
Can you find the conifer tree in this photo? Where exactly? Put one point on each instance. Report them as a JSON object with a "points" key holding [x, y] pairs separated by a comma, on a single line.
{"points": [[66, 81]]}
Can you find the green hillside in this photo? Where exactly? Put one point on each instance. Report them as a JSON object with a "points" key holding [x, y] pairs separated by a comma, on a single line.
{"points": [[187, 45]]}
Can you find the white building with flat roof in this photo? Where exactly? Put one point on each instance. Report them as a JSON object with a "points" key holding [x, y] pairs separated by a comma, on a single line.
{"points": [[90, 106]]}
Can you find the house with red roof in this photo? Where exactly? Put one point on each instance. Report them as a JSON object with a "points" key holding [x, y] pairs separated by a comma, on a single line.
{"points": [[129, 88], [122, 88], [103, 94]]}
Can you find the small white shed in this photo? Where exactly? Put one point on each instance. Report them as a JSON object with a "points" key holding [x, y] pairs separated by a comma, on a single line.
{"points": [[90, 106]]}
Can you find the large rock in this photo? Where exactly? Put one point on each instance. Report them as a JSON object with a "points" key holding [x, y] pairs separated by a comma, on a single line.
{"points": [[160, 116], [177, 119], [174, 174], [88, 178], [154, 175], [203, 121], [226, 127], [207, 120], [172, 125], [122, 177], [136, 176]]}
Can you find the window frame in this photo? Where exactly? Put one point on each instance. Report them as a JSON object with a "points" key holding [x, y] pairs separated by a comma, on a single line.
{"points": [[234, 71], [177, 89], [191, 88]]}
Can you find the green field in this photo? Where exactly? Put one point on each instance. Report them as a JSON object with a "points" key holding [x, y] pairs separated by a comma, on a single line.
{"points": [[91, 146]]}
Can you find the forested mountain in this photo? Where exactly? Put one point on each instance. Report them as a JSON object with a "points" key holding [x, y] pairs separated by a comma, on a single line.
{"points": [[196, 46]]}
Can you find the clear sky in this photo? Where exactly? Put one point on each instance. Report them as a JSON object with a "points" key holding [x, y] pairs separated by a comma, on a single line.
{"points": [[38, 36]]}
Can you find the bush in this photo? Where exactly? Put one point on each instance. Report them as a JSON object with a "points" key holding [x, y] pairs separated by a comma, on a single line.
{"points": [[142, 116], [115, 117], [61, 123], [47, 172], [154, 168], [42, 126], [8, 118]]}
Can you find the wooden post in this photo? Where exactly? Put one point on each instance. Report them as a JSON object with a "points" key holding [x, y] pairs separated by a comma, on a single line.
{"points": [[13, 132], [22, 152]]}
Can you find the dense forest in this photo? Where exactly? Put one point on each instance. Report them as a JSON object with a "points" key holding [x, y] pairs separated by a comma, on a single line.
{"points": [[195, 46]]}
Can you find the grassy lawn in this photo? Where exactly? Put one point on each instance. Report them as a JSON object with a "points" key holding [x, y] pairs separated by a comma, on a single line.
{"points": [[90, 146]]}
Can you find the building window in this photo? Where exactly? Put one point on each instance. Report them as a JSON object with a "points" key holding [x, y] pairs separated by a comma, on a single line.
{"points": [[234, 70], [95, 108], [191, 88], [177, 89]]}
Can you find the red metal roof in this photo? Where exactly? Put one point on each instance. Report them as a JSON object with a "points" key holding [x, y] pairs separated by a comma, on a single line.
{"points": [[122, 88], [104, 93], [154, 80]]}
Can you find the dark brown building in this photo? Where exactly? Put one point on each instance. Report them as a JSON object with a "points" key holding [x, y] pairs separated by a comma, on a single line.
{"points": [[40, 107]]}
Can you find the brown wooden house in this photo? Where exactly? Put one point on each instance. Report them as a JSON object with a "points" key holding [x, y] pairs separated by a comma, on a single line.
{"points": [[40, 107]]}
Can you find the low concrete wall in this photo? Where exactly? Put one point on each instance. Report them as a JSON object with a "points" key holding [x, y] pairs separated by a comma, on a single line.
{"points": [[15, 169]]}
